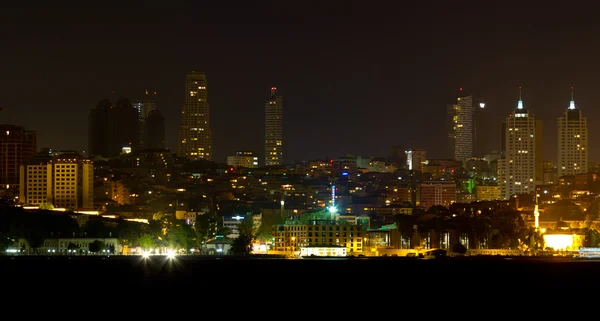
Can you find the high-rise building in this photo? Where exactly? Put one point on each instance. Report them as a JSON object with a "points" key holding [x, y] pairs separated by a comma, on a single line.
{"points": [[572, 141], [64, 179], [144, 107], [519, 165], [461, 128], [195, 135], [154, 130], [17, 146], [274, 129], [415, 159], [113, 128], [397, 155]]}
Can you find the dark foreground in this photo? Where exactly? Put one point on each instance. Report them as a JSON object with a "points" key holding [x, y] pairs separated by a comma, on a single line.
{"points": [[223, 274]]}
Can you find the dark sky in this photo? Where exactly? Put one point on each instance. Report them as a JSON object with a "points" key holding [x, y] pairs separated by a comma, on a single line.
{"points": [[356, 76]]}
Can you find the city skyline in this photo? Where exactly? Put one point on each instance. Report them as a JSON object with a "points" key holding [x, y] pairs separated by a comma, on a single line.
{"points": [[330, 85]]}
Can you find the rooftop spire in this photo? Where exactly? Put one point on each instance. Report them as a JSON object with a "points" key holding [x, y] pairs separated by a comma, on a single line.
{"points": [[572, 103], [520, 103]]}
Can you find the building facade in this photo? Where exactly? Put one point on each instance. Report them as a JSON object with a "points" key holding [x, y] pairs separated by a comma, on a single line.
{"points": [[195, 135], [434, 193], [65, 180], [244, 159], [292, 237]]}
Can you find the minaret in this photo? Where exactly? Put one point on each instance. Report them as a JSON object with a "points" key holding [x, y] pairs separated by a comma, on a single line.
{"points": [[536, 213]]}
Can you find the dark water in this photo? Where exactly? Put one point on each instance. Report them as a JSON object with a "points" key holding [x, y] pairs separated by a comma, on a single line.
{"points": [[223, 274]]}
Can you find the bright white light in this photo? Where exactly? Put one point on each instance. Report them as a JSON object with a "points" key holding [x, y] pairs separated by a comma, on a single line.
{"points": [[572, 105], [520, 104], [481, 105], [170, 254], [146, 255], [332, 209]]}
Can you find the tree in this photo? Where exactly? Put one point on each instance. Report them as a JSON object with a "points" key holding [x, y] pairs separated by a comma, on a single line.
{"points": [[180, 235], [46, 206], [35, 237], [95, 227], [241, 245], [5, 242], [406, 226], [147, 242], [459, 248], [97, 246]]}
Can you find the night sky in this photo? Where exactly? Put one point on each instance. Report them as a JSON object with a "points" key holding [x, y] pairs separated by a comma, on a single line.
{"points": [[356, 76]]}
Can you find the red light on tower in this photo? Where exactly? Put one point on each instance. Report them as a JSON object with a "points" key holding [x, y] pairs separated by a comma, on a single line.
{"points": [[460, 89]]}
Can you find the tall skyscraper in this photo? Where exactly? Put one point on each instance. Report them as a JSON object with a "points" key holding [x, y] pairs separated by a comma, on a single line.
{"points": [[461, 128], [274, 129], [154, 130], [519, 166], [572, 141], [113, 128], [144, 107], [195, 135]]}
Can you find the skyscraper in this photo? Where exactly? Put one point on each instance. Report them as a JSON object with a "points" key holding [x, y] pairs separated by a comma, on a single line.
{"points": [[195, 135], [415, 159], [144, 107], [461, 128], [112, 128], [274, 129], [519, 165], [154, 130], [572, 141]]}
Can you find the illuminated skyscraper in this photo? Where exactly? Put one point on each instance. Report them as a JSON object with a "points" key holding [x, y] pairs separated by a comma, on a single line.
{"points": [[572, 141], [274, 129], [195, 135], [461, 128], [519, 166]]}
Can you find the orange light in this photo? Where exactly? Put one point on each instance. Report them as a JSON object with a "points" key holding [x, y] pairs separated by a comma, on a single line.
{"points": [[460, 89]]}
